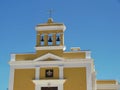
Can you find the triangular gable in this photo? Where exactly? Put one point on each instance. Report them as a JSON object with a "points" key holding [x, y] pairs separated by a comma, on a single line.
{"points": [[48, 55]]}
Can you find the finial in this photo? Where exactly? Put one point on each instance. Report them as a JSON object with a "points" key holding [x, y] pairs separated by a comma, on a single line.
{"points": [[50, 20]]}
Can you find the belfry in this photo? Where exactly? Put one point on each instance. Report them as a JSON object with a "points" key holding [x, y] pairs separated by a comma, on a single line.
{"points": [[50, 35], [53, 68]]}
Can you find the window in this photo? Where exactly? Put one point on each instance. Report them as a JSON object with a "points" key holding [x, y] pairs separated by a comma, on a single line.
{"points": [[58, 39], [49, 73], [50, 39], [42, 40]]}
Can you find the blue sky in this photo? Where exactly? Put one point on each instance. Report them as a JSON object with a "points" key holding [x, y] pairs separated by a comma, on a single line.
{"points": [[91, 25]]}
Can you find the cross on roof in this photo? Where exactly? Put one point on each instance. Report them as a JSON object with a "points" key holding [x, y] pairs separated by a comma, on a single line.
{"points": [[50, 13]]}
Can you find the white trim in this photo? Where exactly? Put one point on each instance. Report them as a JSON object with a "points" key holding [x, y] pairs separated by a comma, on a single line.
{"points": [[107, 86], [50, 47], [88, 54], [61, 71], [118, 87], [94, 80], [50, 63], [89, 77], [37, 73], [13, 57], [43, 28], [48, 55], [11, 78], [76, 49], [49, 83], [37, 87]]}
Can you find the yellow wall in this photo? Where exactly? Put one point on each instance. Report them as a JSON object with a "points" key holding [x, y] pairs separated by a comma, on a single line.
{"points": [[106, 81], [75, 78], [23, 79], [20, 57], [106, 89], [55, 71], [74, 55]]}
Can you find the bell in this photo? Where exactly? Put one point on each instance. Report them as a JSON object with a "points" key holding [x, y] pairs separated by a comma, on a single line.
{"points": [[58, 38], [50, 39], [42, 39]]}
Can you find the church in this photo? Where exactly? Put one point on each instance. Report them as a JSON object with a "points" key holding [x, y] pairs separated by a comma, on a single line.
{"points": [[53, 68]]}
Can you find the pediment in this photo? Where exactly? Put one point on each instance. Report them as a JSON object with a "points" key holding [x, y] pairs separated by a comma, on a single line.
{"points": [[49, 57]]}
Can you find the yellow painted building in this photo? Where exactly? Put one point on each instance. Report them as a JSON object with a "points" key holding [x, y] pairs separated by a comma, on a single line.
{"points": [[52, 68]]}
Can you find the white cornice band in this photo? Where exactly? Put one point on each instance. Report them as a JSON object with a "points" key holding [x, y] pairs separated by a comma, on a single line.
{"points": [[13, 57], [49, 55], [73, 62], [41, 28], [50, 48], [108, 86], [49, 82]]}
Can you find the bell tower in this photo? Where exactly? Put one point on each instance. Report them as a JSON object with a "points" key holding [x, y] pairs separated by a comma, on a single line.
{"points": [[50, 35]]}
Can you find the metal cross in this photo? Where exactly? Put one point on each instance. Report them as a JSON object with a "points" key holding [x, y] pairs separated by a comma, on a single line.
{"points": [[50, 13]]}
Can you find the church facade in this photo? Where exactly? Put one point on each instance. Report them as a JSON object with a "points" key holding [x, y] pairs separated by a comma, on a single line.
{"points": [[53, 68]]}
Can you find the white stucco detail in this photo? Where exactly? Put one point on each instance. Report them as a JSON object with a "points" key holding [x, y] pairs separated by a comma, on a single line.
{"points": [[50, 48], [88, 54], [89, 77], [11, 78], [48, 55], [37, 87], [61, 72], [108, 86], [13, 57], [37, 73], [66, 62], [94, 80], [49, 83], [43, 28]]}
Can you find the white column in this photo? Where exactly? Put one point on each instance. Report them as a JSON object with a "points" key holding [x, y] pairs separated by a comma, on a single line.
{"points": [[60, 87], [89, 77], [94, 80], [61, 72], [37, 73], [11, 78], [37, 87], [37, 77]]}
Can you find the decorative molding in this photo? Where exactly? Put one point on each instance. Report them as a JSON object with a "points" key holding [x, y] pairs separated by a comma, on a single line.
{"points": [[11, 78], [37, 73], [94, 80], [89, 77], [49, 55], [108, 86], [76, 49], [61, 72], [50, 47], [31, 63], [49, 82], [43, 28], [13, 57], [88, 54]]}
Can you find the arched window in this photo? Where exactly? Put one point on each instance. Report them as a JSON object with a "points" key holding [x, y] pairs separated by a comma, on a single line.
{"points": [[42, 40], [58, 39], [50, 39]]}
